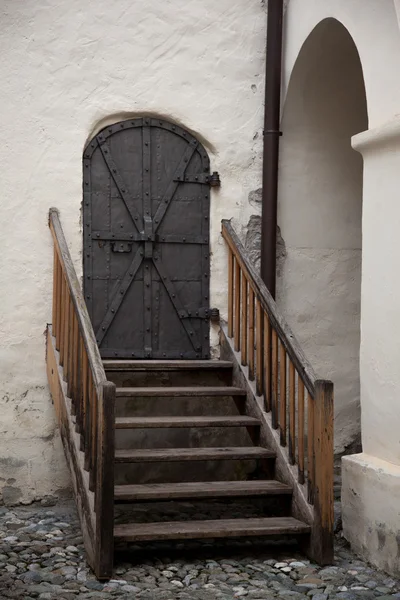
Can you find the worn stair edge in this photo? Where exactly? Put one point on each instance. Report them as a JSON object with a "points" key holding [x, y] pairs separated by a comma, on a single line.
{"points": [[177, 422], [202, 489], [172, 391], [165, 365], [187, 454], [221, 528]]}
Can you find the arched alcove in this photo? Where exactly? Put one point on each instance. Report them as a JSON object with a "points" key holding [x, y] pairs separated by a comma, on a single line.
{"points": [[320, 213]]}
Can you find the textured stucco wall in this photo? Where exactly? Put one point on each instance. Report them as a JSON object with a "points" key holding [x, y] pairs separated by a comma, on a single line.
{"points": [[380, 326], [67, 68], [319, 214], [370, 492], [371, 516]]}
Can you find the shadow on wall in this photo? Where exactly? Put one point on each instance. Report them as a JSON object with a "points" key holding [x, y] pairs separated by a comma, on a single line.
{"points": [[319, 214]]}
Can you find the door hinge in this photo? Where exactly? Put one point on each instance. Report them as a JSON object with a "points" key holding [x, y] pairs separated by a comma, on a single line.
{"points": [[199, 313], [203, 178]]}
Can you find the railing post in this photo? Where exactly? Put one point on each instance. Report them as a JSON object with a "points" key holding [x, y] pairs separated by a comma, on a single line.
{"points": [[323, 490], [236, 311], [104, 492], [230, 292]]}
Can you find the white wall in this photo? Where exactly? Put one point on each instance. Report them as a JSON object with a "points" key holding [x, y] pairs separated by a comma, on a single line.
{"points": [[319, 214], [368, 22], [370, 490], [380, 348], [66, 68]]}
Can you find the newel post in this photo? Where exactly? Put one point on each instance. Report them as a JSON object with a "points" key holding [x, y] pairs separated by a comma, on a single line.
{"points": [[104, 493], [322, 535]]}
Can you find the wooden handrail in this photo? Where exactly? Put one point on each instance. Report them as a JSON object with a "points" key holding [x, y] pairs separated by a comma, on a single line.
{"points": [[76, 295], [278, 322], [89, 403], [282, 373]]}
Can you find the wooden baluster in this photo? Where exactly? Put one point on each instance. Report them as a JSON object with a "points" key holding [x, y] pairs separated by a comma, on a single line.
{"points": [[244, 320], [282, 406], [251, 333], [237, 307], [300, 428], [259, 349], [93, 435], [323, 489], [68, 353], [310, 448], [274, 395], [79, 390], [292, 413], [67, 335], [68, 345], [74, 363], [85, 404], [230, 293], [88, 417], [64, 327], [267, 362], [58, 302], [54, 317]]}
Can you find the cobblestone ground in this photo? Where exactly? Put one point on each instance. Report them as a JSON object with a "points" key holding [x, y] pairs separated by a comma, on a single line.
{"points": [[41, 556]]}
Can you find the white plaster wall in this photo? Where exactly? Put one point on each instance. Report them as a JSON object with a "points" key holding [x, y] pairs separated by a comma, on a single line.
{"points": [[371, 515], [66, 67], [374, 27], [319, 214], [380, 327]]}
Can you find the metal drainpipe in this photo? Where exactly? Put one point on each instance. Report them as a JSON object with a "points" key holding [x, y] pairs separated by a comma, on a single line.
{"points": [[273, 73]]}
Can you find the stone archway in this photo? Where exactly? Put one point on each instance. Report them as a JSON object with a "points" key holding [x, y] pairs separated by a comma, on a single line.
{"points": [[320, 213]]}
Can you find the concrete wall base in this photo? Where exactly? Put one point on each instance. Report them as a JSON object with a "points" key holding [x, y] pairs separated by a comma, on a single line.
{"points": [[371, 510]]}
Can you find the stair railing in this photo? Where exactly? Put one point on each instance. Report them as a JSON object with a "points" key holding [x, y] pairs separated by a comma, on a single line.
{"points": [[91, 403], [301, 405]]}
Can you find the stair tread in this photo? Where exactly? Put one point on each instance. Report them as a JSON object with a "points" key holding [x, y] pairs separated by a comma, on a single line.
{"points": [[202, 489], [165, 365], [165, 422], [180, 391], [134, 532], [183, 454]]}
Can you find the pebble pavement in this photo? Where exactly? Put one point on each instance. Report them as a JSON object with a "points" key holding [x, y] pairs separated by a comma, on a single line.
{"points": [[42, 556]]}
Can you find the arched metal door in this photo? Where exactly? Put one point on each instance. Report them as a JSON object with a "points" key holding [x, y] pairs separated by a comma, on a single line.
{"points": [[146, 240]]}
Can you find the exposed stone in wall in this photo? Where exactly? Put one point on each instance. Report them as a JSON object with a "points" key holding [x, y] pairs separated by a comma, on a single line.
{"points": [[255, 198], [252, 238]]}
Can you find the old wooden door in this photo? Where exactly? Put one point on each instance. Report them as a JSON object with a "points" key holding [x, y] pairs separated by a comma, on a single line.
{"points": [[146, 240]]}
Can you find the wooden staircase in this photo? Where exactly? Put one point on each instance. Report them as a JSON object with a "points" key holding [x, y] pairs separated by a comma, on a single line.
{"points": [[151, 434], [203, 379]]}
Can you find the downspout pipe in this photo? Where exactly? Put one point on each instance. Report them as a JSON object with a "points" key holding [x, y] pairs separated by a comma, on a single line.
{"points": [[273, 76]]}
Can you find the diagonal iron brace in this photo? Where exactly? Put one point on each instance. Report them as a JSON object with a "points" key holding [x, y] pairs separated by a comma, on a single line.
{"points": [[169, 286], [119, 295], [119, 182], [177, 178]]}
